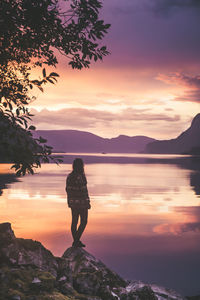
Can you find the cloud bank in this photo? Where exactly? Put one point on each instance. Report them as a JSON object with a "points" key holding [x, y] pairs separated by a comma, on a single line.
{"points": [[127, 121], [190, 85], [82, 117]]}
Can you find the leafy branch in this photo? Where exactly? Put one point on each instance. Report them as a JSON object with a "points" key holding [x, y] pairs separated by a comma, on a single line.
{"points": [[17, 142], [31, 33]]}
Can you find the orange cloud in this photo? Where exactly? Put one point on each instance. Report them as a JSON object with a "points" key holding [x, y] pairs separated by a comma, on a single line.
{"points": [[190, 84]]}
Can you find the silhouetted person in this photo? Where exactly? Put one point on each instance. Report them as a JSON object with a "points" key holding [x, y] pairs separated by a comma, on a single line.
{"points": [[78, 200]]}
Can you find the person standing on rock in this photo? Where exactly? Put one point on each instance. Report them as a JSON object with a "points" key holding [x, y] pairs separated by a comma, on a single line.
{"points": [[78, 200]]}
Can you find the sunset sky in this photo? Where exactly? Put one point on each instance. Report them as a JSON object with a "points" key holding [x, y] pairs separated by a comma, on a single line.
{"points": [[148, 85]]}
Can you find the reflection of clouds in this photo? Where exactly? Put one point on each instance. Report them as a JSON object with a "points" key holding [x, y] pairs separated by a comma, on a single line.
{"points": [[24, 195], [127, 192], [2, 203], [6, 179], [167, 199], [178, 228], [128, 201], [48, 183], [126, 182], [191, 211], [151, 189]]}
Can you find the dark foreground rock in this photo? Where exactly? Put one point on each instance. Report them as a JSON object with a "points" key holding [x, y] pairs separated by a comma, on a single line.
{"points": [[28, 271]]}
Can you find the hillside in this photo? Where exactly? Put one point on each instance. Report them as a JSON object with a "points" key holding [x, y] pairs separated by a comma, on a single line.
{"points": [[184, 143], [81, 141], [28, 271]]}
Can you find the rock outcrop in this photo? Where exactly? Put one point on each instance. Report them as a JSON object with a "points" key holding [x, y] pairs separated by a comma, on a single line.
{"points": [[25, 252], [28, 271]]}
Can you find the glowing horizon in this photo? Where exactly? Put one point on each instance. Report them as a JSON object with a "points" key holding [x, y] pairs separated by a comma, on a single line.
{"points": [[148, 85]]}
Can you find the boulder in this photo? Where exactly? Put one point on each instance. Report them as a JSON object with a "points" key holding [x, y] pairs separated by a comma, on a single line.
{"points": [[90, 275], [17, 251]]}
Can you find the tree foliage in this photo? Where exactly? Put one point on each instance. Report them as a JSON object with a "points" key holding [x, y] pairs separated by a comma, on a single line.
{"points": [[31, 34], [35, 28]]}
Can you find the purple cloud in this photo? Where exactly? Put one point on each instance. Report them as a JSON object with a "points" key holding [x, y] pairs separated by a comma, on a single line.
{"points": [[167, 7], [85, 118], [139, 38], [180, 79]]}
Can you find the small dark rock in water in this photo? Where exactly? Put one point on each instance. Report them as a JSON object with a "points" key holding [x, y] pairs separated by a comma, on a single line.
{"points": [[28, 271]]}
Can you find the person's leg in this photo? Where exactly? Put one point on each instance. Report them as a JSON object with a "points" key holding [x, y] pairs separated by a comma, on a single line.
{"points": [[83, 223], [75, 215]]}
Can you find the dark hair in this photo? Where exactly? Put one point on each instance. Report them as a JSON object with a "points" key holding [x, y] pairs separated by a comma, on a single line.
{"points": [[78, 165]]}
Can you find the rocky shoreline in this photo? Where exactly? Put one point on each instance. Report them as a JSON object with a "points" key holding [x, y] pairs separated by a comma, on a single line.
{"points": [[28, 271]]}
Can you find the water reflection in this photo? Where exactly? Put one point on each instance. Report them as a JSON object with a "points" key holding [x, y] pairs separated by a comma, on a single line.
{"points": [[195, 182], [178, 228], [5, 177], [144, 221], [181, 161]]}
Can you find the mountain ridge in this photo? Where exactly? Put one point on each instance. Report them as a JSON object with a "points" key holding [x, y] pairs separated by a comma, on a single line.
{"points": [[75, 141], [83, 141], [182, 144]]}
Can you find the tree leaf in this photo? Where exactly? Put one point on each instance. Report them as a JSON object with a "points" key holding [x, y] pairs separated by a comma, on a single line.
{"points": [[32, 127], [50, 80], [54, 74], [44, 72]]}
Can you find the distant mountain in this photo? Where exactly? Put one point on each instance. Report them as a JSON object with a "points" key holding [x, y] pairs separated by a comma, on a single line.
{"points": [[184, 143], [81, 141]]}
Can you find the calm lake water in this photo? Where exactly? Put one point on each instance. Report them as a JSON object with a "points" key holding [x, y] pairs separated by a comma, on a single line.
{"points": [[145, 217]]}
